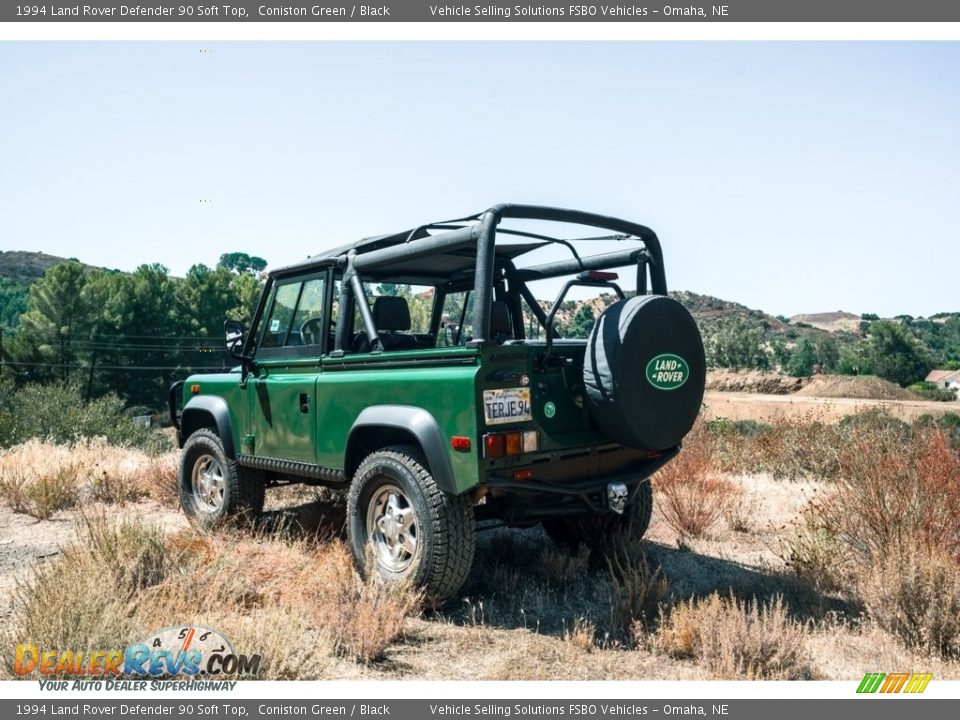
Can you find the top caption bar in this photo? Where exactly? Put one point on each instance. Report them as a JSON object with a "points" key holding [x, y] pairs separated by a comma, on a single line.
{"points": [[486, 11]]}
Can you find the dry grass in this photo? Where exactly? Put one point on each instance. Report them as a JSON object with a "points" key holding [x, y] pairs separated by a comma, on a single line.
{"points": [[792, 448], [532, 610], [915, 595], [43, 478], [637, 590], [737, 639], [691, 495], [582, 635], [742, 512], [561, 567], [40, 495], [133, 578]]}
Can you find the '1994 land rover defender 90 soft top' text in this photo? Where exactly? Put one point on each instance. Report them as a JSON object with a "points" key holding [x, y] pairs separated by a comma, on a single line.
{"points": [[419, 371]]}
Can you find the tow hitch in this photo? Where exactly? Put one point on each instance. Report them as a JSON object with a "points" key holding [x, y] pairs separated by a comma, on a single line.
{"points": [[617, 497]]}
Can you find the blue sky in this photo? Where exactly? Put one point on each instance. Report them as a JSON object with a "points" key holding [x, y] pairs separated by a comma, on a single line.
{"points": [[793, 177]]}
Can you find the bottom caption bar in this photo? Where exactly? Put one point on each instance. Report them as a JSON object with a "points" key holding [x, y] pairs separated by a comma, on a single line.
{"points": [[872, 707]]}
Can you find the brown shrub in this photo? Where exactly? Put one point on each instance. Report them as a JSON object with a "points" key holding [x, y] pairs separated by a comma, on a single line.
{"points": [[692, 495], [581, 635], [83, 597], [636, 589], [813, 551], [561, 567], [893, 495], [737, 640], [39, 480], [374, 620], [897, 492], [42, 478], [916, 596]]}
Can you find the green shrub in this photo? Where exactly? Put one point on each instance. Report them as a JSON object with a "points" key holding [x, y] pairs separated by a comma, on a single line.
{"points": [[929, 391], [59, 413]]}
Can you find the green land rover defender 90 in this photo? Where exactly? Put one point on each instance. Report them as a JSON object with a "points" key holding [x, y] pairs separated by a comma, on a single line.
{"points": [[418, 371]]}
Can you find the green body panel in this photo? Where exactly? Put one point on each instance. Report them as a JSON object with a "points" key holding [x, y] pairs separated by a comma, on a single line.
{"points": [[226, 386], [441, 382], [277, 421], [269, 420]]}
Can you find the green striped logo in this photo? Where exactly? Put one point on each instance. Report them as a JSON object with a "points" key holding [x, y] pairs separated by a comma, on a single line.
{"points": [[894, 682]]}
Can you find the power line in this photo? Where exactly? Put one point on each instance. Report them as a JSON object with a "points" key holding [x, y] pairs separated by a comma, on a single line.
{"points": [[121, 367]]}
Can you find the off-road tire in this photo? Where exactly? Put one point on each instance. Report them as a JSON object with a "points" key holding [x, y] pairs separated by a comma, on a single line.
{"points": [[445, 523], [243, 488], [597, 530]]}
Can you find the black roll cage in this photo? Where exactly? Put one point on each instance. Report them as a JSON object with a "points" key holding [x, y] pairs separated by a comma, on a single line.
{"points": [[480, 231]]}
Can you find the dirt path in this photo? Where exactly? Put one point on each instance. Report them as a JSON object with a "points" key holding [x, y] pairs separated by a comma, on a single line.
{"points": [[754, 406]]}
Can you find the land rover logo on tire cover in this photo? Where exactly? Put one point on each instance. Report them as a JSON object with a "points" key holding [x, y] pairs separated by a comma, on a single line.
{"points": [[667, 371]]}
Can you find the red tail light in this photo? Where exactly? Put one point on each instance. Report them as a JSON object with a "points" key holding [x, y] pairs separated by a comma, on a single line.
{"points": [[494, 445], [497, 445]]}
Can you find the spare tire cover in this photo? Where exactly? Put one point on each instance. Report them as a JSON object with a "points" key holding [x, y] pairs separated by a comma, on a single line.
{"points": [[644, 372]]}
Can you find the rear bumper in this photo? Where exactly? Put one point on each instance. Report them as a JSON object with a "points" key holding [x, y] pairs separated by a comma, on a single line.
{"points": [[550, 499]]}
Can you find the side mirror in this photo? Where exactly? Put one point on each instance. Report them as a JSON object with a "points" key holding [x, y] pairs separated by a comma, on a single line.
{"points": [[234, 336]]}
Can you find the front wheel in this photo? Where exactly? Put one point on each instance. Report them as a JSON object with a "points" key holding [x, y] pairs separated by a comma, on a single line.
{"points": [[596, 530], [404, 528], [213, 488]]}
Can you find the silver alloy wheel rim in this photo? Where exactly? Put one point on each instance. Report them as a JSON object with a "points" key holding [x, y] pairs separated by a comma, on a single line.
{"points": [[207, 483], [392, 528]]}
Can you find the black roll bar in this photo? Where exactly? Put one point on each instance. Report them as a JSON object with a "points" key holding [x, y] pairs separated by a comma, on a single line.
{"points": [[482, 233]]}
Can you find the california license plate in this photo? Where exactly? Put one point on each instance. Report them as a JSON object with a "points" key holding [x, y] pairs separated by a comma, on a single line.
{"points": [[506, 406]]}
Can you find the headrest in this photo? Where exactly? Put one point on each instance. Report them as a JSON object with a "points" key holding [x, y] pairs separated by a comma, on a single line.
{"points": [[391, 313], [500, 323]]}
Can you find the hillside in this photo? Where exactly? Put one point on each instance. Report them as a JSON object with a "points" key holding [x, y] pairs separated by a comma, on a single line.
{"points": [[19, 266], [18, 270], [706, 308], [839, 321]]}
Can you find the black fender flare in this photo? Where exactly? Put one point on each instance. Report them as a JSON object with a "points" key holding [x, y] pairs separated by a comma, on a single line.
{"points": [[208, 411], [412, 421]]}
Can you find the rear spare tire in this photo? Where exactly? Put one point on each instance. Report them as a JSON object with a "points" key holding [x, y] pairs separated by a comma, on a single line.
{"points": [[644, 372]]}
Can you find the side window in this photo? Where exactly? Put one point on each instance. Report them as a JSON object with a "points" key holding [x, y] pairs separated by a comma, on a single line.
{"points": [[276, 333], [456, 326], [308, 325], [296, 318]]}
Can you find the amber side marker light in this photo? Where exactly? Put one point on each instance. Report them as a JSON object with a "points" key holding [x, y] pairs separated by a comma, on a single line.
{"points": [[195, 389]]}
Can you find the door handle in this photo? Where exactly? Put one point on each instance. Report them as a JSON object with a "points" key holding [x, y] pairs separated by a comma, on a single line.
{"points": [[304, 403]]}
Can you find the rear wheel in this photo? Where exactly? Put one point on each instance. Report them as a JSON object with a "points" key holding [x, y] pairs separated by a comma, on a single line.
{"points": [[598, 530], [404, 528], [213, 488]]}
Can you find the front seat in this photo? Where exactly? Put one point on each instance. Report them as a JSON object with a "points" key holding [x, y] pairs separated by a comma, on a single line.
{"points": [[501, 324], [391, 316]]}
